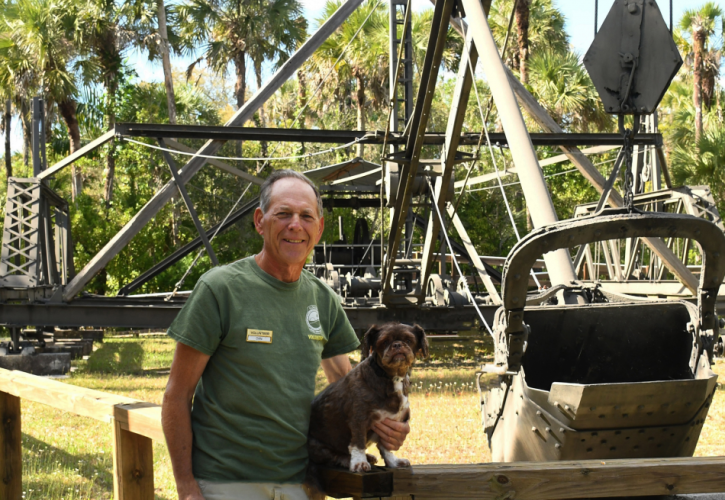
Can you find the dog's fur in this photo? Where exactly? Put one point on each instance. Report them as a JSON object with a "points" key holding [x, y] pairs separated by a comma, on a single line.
{"points": [[377, 388]]}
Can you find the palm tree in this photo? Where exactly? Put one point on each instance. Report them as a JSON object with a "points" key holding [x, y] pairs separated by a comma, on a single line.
{"points": [[103, 31], [43, 54], [562, 85], [364, 64], [700, 24], [539, 26], [230, 31]]}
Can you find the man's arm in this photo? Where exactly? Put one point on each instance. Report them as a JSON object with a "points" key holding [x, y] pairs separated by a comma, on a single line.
{"points": [[336, 367], [186, 370], [392, 434]]}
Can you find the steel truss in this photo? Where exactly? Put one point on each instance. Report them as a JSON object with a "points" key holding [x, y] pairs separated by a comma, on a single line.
{"points": [[410, 288]]}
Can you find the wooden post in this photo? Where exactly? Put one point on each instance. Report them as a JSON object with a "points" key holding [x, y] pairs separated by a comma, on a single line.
{"points": [[133, 465], [11, 486]]}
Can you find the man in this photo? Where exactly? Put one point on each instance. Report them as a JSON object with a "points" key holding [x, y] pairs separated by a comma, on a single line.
{"points": [[250, 340]]}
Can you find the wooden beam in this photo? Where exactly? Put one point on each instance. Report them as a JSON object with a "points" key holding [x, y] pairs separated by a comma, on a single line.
{"points": [[11, 487], [78, 154], [157, 202], [216, 163], [133, 465], [563, 480], [132, 415]]}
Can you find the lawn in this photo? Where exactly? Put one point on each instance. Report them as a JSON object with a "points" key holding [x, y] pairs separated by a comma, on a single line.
{"points": [[66, 457]]}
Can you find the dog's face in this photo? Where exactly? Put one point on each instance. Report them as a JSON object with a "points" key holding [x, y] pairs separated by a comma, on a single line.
{"points": [[395, 346]]}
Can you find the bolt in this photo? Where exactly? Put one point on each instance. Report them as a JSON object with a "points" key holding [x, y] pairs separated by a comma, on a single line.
{"points": [[502, 479], [632, 8]]}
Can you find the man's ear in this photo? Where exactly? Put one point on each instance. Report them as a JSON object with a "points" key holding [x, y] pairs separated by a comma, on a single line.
{"points": [[258, 215], [421, 341], [369, 340]]}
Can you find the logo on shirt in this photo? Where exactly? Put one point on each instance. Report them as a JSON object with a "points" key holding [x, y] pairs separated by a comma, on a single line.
{"points": [[313, 320]]}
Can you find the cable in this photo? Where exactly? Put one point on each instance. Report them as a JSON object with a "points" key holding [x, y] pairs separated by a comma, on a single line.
{"points": [[278, 158], [455, 261], [545, 177], [495, 166]]}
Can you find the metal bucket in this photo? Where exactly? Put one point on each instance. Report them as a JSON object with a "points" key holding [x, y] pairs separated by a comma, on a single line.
{"points": [[615, 378]]}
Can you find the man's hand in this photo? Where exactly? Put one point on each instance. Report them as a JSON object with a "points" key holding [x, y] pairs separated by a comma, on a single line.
{"points": [[392, 434], [190, 491]]}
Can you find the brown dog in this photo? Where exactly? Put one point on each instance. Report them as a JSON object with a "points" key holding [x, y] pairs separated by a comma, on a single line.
{"points": [[377, 388]]}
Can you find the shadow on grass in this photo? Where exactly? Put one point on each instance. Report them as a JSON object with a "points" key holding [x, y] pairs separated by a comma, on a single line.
{"points": [[44, 463], [116, 357]]}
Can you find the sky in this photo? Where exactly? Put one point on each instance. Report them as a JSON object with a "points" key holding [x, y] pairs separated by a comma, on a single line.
{"points": [[579, 16]]}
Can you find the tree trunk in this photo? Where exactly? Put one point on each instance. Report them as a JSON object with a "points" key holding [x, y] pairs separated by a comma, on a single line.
{"points": [[698, 46], [240, 87], [262, 115], [522, 31], [358, 74], [27, 129], [111, 151], [166, 60], [67, 109], [7, 117]]}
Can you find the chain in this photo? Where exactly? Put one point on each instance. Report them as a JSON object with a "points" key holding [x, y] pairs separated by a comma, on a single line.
{"points": [[627, 151], [628, 177]]}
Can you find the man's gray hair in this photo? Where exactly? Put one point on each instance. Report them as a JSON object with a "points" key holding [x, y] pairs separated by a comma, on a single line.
{"points": [[266, 191]]}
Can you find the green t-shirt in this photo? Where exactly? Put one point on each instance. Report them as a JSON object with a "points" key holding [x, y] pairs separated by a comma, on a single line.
{"points": [[251, 409]]}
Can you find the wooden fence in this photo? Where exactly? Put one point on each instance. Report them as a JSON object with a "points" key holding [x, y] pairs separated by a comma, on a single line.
{"points": [[136, 423]]}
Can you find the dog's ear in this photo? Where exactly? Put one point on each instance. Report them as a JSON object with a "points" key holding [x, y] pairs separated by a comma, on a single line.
{"points": [[421, 341], [369, 340]]}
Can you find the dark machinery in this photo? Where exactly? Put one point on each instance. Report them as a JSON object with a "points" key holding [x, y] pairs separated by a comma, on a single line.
{"points": [[584, 371], [617, 378]]}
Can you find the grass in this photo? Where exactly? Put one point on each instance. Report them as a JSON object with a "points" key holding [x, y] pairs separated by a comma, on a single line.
{"points": [[66, 457]]}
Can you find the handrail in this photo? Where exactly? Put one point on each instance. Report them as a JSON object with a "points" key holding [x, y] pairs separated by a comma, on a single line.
{"points": [[135, 424]]}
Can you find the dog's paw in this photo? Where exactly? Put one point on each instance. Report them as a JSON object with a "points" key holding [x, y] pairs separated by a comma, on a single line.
{"points": [[358, 460], [359, 467], [400, 462], [371, 458]]}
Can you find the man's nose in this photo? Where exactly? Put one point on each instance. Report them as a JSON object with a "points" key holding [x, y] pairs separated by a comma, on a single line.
{"points": [[295, 221]]}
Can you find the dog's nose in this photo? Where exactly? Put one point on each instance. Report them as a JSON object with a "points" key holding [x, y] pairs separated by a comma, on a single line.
{"points": [[397, 345]]}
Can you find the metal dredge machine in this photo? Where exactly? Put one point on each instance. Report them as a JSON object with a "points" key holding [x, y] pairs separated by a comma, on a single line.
{"points": [[585, 372]]}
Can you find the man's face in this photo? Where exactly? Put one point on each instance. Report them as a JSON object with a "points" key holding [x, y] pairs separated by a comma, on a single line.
{"points": [[291, 227]]}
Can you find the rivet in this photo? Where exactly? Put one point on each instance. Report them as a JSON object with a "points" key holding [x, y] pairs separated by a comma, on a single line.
{"points": [[557, 445], [548, 429]]}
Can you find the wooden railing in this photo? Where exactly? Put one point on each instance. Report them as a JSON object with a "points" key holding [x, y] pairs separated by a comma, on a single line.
{"points": [[136, 423]]}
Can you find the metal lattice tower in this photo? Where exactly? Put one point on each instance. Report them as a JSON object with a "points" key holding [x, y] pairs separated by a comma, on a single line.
{"points": [[401, 92]]}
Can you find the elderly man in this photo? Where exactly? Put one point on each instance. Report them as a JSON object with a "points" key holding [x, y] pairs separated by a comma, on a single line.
{"points": [[250, 340]]}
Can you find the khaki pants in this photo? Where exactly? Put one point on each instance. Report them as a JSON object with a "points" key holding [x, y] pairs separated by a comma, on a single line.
{"points": [[251, 491]]}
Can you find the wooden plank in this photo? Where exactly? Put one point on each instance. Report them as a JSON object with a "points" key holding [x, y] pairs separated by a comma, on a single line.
{"points": [[78, 154], [341, 483], [563, 480], [157, 202], [79, 400], [133, 465], [11, 487], [218, 164], [141, 418]]}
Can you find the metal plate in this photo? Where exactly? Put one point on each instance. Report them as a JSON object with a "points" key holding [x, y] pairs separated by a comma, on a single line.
{"points": [[633, 31]]}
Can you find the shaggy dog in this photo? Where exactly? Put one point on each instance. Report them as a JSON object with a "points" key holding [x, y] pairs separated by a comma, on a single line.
{"points": [[341, 425]]}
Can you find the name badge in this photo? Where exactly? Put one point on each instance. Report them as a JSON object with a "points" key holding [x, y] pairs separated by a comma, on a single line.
{"points": [[260, 336]]}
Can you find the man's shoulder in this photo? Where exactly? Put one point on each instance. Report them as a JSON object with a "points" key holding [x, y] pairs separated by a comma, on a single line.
{"points": [[220, 275]]}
